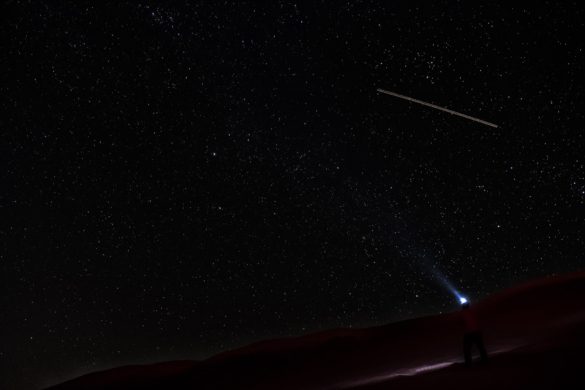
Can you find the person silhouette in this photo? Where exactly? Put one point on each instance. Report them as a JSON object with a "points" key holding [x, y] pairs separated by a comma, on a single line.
{"points": [[472, 333]]}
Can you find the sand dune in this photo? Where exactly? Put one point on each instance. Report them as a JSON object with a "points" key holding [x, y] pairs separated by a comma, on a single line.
{"points": [[535, 334]]}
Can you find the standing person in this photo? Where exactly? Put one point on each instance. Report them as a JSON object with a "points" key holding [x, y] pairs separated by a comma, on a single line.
{"points": [[472, 334]]}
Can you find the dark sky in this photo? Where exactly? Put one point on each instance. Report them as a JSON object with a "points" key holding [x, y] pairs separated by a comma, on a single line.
{"points": [[185, 178]]}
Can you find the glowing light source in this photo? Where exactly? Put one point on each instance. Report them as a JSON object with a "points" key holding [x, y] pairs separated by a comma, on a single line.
{"points": [[463, 300]]}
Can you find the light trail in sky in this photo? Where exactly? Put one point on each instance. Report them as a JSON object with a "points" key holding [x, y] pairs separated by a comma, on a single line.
{"points": [[437, 107]]}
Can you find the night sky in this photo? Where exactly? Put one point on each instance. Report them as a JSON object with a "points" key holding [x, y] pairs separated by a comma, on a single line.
{"points": [[183, 178]]}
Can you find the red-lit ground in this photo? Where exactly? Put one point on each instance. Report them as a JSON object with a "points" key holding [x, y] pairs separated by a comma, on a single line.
{"points": [[535, 334]]}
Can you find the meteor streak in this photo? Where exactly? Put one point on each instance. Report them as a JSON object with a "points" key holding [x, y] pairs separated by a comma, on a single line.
{"points": [[436, 107]]}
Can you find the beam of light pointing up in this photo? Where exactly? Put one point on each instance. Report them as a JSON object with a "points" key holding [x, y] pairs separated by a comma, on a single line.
{"points": [[432, 272], [449, 286], [437, 107]]}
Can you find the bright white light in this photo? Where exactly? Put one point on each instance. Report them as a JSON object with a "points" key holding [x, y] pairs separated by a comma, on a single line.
{"points": [[462, 300]]}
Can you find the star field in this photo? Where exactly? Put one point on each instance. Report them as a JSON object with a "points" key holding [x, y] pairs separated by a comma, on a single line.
{"points": [[184, 178]]}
